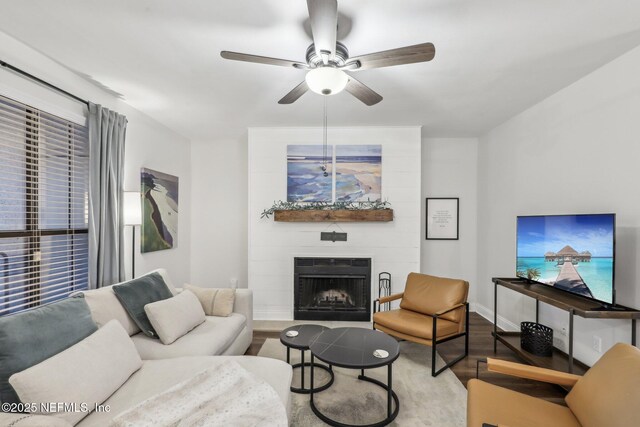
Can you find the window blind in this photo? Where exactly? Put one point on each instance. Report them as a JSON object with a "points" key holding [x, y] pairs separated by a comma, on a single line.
{"points": [[44, 207]]}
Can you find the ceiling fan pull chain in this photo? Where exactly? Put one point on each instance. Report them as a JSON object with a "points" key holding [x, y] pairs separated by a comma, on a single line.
{"points": [[324, 138]]}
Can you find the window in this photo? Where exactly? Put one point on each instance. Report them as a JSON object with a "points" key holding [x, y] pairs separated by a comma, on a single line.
{"points": [[44, 207]]}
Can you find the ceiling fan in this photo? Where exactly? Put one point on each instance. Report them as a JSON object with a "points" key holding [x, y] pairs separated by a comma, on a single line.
{"points": [[328, 59]]}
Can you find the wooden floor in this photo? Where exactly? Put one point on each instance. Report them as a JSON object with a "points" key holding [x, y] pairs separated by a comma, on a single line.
{"points": [[480, 346]]}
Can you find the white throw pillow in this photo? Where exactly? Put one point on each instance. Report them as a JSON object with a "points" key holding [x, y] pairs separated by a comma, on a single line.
{"points": [[82, 376], [174, 317], [215, 301], [105, 306]]}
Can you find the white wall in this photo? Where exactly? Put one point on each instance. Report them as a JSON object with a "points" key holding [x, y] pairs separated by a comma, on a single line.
{"points": [[219, 212], [450, 169], [393, 246], [148, 143], [575, 152]]}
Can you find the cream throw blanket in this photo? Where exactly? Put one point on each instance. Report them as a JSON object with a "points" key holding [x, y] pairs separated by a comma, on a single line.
{"points": [[227, 395]]}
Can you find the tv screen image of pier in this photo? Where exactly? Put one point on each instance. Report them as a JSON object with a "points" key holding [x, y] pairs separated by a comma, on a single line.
{"points": [[574, 253]]}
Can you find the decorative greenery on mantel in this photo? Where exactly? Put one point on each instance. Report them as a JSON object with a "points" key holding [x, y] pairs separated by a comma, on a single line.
{"points": [[325, 206]]}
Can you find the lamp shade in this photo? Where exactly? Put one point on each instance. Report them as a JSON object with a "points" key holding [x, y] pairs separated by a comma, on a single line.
{"points": [[326, 80], [132, 208]]}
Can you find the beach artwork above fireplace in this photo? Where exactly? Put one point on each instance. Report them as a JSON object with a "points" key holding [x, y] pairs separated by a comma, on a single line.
{"points": [[311, 177], [358, 173], [309, 173]]}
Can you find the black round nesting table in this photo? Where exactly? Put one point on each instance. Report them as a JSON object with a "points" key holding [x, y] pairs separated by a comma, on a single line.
{"points": [[353, 348], [301, 342]]}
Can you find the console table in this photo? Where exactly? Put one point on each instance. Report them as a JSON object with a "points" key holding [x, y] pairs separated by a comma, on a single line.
{"points": [[573, 304]]}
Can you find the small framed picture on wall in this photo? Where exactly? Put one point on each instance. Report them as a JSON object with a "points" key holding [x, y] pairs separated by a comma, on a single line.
{"points": [[443, 217]]}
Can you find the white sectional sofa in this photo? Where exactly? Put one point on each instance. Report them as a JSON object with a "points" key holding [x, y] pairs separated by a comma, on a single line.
{"points": [[216, 336], [164, 366]]}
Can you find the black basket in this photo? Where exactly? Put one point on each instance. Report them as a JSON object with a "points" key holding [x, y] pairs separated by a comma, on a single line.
{"points": [[536, 338]]}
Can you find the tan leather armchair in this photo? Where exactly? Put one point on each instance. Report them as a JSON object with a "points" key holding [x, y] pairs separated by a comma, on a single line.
{"points": [[607, 395], [432, 310]]}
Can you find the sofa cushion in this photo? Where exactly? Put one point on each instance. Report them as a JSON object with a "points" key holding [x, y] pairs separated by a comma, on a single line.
{"points": [[156, 376], [104, 304], [83, 375], [414, 324], [211, 337], [215, 301], [29, 337], [173, 317], [136, 293], [608, 393], [429, 294], [488, 403]]}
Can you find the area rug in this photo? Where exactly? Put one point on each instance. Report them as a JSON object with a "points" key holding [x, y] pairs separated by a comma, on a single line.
{"points": [[424, 400]]}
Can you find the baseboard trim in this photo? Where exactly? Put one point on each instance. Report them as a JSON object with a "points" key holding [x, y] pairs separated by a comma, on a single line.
{"points": [[272, 315], [487, 313]]}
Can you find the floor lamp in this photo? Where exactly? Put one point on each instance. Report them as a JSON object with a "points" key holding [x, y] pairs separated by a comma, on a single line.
{"points": [[132, 215]]}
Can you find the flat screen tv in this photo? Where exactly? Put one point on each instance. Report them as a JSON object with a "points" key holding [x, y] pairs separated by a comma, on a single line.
{"points": [[572, 253]]}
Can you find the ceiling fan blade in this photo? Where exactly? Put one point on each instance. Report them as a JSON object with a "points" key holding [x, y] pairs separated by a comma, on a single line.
{"points": [[403, 55], [296, 93], [236, 56], [323, 15], [362, 92]]}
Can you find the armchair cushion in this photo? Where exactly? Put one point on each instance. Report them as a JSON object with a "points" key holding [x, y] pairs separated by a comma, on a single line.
{"points": [[430, 294], [414, 324], [608, 394], [495, 405]]}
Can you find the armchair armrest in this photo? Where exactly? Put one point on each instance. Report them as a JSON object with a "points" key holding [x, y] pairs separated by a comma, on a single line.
{"points": [[383, 300], [390, 298], [531, 372], [446, 310]]}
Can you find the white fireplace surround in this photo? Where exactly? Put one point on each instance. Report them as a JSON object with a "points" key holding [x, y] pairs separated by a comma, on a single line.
{"points": [[393, 246]]}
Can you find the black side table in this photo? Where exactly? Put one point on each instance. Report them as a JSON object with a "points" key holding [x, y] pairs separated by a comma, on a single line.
{"points": [[301, 342], [353, 348]]}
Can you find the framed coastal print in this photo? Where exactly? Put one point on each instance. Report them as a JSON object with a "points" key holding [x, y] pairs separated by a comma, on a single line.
{"points": [[159, 210], [443, 217]]}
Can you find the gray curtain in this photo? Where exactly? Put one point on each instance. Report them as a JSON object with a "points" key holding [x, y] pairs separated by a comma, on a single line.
{"points": [[107, 131]]}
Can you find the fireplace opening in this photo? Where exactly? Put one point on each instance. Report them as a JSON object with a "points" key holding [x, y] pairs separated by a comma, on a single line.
{"points": [[332, 289]]}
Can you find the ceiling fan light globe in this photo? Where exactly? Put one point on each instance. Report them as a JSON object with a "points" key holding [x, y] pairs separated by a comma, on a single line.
{"points": [[326, 80]]}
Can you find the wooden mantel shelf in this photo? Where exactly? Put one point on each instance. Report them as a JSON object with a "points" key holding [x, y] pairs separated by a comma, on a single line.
{"points": [[338, 215]]}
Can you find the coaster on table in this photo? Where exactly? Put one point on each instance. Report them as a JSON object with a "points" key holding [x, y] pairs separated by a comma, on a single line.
{"points": [[381, 354], [292, 334]]}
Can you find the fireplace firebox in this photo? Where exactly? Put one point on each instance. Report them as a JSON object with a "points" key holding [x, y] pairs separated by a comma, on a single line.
{"points": [[332, 289]]}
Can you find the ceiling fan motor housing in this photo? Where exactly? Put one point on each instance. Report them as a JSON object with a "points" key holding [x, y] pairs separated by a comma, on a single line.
{"points": [[314, 60]]}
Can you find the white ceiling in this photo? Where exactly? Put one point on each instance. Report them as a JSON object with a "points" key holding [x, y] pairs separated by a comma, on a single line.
{"points": [[494, 58]]}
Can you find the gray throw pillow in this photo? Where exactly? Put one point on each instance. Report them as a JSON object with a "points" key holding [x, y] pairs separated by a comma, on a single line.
{"points": [[29, 337], [137, 293]]}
